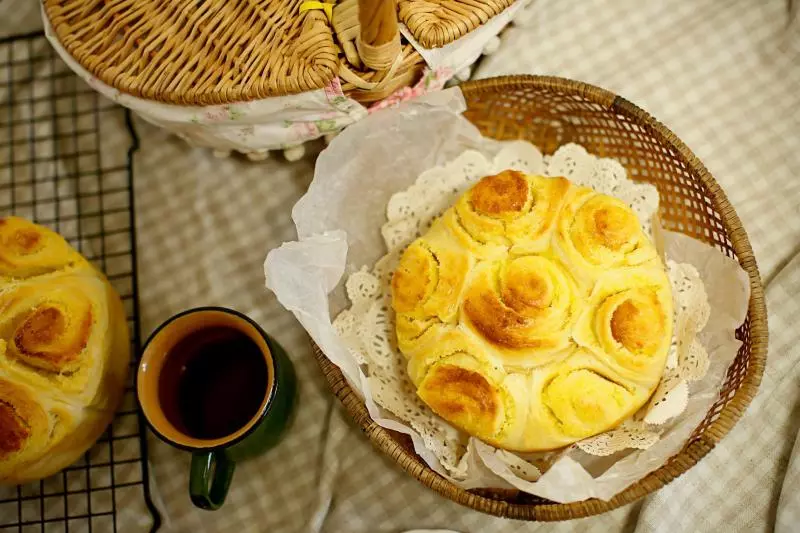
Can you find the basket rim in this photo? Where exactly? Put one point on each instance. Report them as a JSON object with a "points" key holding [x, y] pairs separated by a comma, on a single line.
{"points": [[689, 455]]}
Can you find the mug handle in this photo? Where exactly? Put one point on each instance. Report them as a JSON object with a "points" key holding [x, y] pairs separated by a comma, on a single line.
{"points": [[210, 496]]}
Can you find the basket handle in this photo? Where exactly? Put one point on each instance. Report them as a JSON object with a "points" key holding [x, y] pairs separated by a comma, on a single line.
{"points": [[379, 42]]}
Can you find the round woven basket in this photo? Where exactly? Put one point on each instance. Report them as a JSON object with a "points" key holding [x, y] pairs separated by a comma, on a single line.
{"points": [[550, 112]]}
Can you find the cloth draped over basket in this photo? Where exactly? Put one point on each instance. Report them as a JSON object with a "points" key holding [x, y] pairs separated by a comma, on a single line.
{"points": [[209, 60]]}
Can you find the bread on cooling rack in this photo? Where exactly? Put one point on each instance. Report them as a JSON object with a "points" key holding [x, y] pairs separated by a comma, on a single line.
{"points": [[534, 313], [64, 352]]}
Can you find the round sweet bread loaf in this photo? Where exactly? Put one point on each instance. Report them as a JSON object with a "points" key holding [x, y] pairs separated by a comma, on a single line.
{"points": [[64, 352], [534, 313]]}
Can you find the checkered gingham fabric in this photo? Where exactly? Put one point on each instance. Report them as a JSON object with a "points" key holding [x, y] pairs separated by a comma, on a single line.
{"points": [[725, 76]]}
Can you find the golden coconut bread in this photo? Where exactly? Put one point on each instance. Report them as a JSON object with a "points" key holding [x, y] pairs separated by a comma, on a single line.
{"points": [[64, 352], [533, 313]]}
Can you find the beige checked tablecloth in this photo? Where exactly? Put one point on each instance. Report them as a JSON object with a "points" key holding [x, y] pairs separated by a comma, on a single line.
{"points": [[724, 75]]}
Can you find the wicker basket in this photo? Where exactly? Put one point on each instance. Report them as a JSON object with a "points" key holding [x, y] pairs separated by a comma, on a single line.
{"points": [[255, 76], [550, 112], [212, 52]]}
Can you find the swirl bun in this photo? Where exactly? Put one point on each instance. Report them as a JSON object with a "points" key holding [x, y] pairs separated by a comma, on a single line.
{"points": [[524, 307], [22, 422], [628, 322], [29, 250], [64, 352], [509, 211], [597, 232], [534, 313], [427, 284]]}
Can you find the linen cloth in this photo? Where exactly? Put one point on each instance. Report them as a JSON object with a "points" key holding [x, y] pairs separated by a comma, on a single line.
{"points": [[723, 75]]}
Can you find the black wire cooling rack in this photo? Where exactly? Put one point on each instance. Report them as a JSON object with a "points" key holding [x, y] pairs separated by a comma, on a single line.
{"points": [[59, 167]]}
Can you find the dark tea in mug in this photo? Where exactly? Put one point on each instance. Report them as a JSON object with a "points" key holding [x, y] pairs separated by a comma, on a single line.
{"points": [[213, 382]]}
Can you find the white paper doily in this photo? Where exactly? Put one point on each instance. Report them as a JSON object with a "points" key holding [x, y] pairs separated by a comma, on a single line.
{"points": [[368, 325]]}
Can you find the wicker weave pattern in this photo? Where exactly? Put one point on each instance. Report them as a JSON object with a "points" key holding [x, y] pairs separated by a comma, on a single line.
{"points": [[198, 51], [435, 23], [550, 112]]}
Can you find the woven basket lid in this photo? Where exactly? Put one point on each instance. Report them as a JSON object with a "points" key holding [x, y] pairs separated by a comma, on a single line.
{"points": [[206, 52], [435, 23], [198, 51]]}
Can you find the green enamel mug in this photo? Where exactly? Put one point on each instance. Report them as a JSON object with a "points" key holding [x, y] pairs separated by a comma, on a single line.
{"points": [[212, 382]]}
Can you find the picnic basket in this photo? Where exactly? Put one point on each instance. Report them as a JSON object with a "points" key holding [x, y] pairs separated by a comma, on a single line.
{"points": [[212, 54]]}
